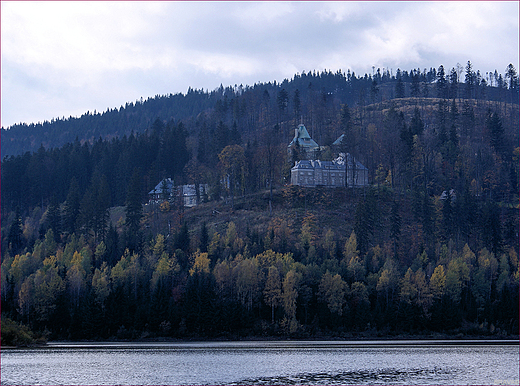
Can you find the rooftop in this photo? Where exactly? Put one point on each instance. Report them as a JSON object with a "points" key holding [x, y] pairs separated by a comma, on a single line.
{"points": [[302, 137]]}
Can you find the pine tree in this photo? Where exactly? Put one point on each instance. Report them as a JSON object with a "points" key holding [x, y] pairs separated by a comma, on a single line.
{"points": [[282, 100], [395, 224], [221, 136], [365, 218], [454, 84], [416, 124], [182, 239], [54, 218], [416, 84], [134, 212], [441, 83], [71, 207], [469, 81], [496, 132], [296, 104], [14, 239], [399, 86], [235, 137], [103, 201], [204, 238]]}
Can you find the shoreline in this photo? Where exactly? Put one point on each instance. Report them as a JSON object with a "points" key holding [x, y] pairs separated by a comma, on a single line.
{"points": [[252, 343]]}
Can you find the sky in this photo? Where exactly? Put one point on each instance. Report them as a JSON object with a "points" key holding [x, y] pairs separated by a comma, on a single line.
{"points": [[64, 58]]}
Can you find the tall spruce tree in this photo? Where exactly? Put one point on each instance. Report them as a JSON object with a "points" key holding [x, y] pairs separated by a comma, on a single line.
{"points": [[441, 83], [71, 207], [469, 81], [134, 212], [14, 239], [399, 86], [496, 132]]}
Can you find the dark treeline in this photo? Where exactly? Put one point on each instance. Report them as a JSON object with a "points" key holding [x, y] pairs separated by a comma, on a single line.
{"points": [[432, 245], [131, 118], [306, 94], [48, 177]]}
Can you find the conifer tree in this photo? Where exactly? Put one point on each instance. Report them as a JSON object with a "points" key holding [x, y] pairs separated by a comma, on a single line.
{"points": [[399, 86], [134, 212], [204, 238], [441, 83], [14, 239], [71, 207]]}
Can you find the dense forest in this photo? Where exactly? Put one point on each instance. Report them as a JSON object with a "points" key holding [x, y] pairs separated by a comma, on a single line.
{"points": [[431, 246], [306, 94]]}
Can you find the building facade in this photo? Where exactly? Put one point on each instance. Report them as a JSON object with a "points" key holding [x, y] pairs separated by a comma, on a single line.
{"points": [[183, 194], [345, 170], [317, 173], [162, 191], [189, 194], [331, 174]]}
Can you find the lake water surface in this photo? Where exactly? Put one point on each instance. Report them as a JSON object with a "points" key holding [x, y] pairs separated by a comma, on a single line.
{"points": [[264, 363]]}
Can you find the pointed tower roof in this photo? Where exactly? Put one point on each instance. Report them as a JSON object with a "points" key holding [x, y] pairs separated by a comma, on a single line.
{"points": [[302, 137]]}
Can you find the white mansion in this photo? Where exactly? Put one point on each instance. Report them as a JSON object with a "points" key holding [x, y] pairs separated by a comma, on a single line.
{"points": [[311, 173]]}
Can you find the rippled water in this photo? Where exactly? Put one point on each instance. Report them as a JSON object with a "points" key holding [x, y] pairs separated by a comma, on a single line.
{"points": [[262, 363]]}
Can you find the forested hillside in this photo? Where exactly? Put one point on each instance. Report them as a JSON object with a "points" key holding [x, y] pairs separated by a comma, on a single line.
{"points": [[430, 246], [305, 94]]}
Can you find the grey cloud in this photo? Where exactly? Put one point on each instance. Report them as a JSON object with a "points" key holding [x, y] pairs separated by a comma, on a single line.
{"points": [[167, 47]]}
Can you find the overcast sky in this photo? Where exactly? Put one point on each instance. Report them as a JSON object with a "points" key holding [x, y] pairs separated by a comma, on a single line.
{"points": [[65, 58]]}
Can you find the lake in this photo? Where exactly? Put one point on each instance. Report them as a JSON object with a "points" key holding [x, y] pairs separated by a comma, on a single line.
{"points": [[264, 363]]}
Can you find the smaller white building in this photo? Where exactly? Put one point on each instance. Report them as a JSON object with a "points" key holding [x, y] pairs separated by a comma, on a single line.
{"points": [[189, 194], [318, 173], [181, 194], [162, 191]]}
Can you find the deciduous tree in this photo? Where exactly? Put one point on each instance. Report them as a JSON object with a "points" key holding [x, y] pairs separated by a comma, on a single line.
{"points": [[290, 293], [232, 160], [332, 292], [273, 290]]}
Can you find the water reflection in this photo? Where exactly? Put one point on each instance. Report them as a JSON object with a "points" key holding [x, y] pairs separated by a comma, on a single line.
{"points": [[362, 377]]}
